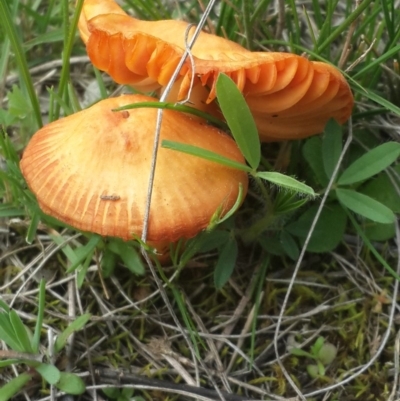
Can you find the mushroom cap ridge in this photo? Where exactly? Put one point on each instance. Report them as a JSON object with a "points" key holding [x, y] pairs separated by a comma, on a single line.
{"points": [[91, 170]]}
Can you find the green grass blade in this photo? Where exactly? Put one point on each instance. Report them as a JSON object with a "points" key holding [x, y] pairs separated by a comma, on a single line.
{"points": [[82, 253], [247, 24], [6, 45], [100, 83], [388, 12], [31, 233], [69, 34], [295, 31], [45, 39], [369, 245], [9, 26], [205, 154], [177, 107], [76, 325], [376, 62], [260, 282], [190, 326], [40, 315], [9, 210], [344, 25], [376, 98], [146, 10]]}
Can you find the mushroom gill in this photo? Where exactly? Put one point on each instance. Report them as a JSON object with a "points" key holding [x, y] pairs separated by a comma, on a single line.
{"points": [[289, 96]]}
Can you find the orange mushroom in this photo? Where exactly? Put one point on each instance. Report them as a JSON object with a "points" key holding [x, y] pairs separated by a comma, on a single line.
{"points": [[91, 171], [290, 97]]}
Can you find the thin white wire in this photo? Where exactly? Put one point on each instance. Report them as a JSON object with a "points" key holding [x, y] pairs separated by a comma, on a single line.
{"points": [[186, 54], [188, 47], [300, 259]]}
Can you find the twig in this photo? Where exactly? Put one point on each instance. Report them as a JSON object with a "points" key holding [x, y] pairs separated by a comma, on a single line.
{"points": [[156, 142], [213, 352], [245, 330], [347, 44], [117, 378], [35, 271], [48, 66], [281, 19], [10, 354], [396, 367], [50, 340], [89, 358], [361, 58]]}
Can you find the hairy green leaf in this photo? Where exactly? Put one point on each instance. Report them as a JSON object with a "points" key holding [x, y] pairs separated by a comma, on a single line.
{"points": [[286, 182]]}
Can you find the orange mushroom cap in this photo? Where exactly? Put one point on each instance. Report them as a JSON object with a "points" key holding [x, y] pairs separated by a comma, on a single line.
{"points": [[91, 171], [290, 97]]}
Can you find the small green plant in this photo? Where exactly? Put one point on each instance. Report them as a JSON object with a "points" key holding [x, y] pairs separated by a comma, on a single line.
{"points": [[25, 349], [321, 352], [362, 194], [244, 131]]}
